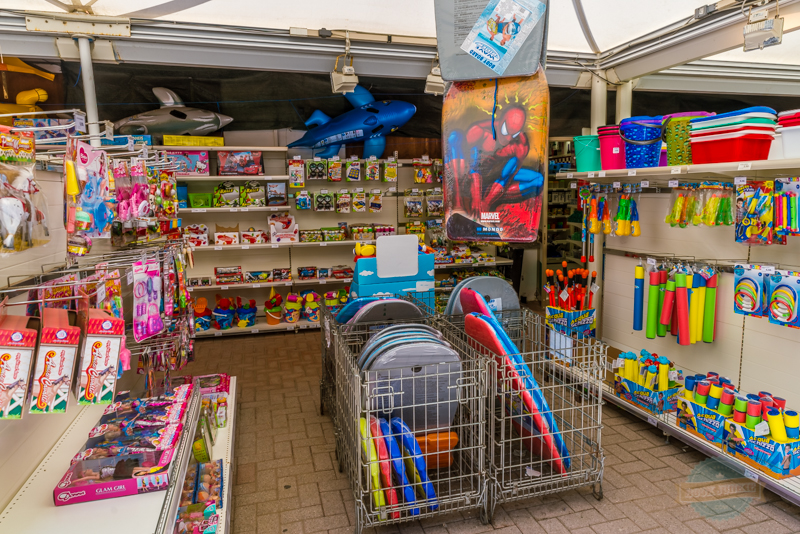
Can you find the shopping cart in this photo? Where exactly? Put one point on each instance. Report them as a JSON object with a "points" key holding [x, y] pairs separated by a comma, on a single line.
{"points": [[439, 407]]}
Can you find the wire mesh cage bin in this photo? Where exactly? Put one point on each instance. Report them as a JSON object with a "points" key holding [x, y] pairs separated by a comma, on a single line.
{"points": [[412, 437], [544, 420]]}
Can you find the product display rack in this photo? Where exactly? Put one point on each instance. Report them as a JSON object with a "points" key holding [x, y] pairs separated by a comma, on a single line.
{"points": [[788, 488], [260, 327], [32, 509], [223, 450]]}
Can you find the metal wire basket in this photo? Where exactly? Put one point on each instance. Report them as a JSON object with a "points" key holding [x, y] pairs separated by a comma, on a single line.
{"points": [[439, 403]]}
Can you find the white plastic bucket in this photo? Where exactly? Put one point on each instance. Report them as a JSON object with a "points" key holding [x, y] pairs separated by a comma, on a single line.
{"points": [[776, 148]]}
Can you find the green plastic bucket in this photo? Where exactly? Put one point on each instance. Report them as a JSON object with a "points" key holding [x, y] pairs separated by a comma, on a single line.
{"points": [[587, 153]]}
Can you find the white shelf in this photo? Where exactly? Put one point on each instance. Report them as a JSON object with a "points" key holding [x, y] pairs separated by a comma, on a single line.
{"points": [[223, 450], [347, 242], [195, 211], [255, 246], [32, 509], [260, 327], [223, 148], [281, 178], [721, 171], [261, 285]]}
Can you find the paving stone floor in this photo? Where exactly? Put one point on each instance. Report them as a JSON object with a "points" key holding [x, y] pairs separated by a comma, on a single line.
{"points": [[287, 482]]}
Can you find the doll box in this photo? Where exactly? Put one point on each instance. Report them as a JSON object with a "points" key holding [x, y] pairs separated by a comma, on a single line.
{"points": [[654, 402], [218, 383], [97, 381], [116, 476], [701, 421], [244, 163], [189, 162], [55, 362], [17, 340], [776, 459]]}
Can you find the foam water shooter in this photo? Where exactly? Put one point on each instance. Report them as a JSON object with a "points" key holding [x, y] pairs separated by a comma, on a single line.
{"points": [[606, 216], [622, 217], [638, 297], [682, 307], [585, 195], [710, 310], [636, 229], [787, 206], [652, 305], [663, 275], [594, 220], [674, 216]]}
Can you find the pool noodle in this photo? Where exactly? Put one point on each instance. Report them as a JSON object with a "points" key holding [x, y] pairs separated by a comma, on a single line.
{"points": [[692, 308], [638, 297], [661, 328], [682, 309], [652, 305], [668, 304], [700, 293], [709, 311]]}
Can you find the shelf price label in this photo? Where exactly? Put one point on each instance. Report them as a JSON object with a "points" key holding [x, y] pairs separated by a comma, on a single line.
{"points": [[645, 183], [590, 174], [745, 166], [218, 247], [601, 174], [652, 420], [254, 331], [275, 246], [323, 281], [323, 244], [244, 209], [256, 286], [199, 210], [573, 185], [617, 185], [631, 172], [224, 288], [673, 183], [675, 170], [569, 176], [740, 180], [217, 334], [245, 247], [234, 210], [290, 327]]}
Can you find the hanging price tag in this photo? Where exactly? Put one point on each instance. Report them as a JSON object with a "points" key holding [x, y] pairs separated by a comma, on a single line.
{"points": [[768, 269], [595, 288], [573, 185], [645, 183], [80, 121], [616, 185], [744, 166], [190, 289], [564, 295], [569, 176], [130, 144], [129, 277], [651, 261], [740, 180], [673, 183], [631, 172]]}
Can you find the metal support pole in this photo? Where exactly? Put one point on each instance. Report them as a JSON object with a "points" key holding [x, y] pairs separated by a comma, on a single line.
{"points": [[87, 75], [599, 96], [624, 101]]}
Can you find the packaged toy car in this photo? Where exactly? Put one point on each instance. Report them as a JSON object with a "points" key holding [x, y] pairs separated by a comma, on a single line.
{"points": [[307, 273], [189, 162], [317, 169], [243, 163], [226, 194], [254, 277], [252, 194], [281, 275], [276, 195]]}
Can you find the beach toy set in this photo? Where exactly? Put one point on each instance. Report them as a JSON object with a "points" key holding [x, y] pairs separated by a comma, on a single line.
{"points": [[648, 381], [763, 291], [765, 434], [683, 305], [755, 217]]}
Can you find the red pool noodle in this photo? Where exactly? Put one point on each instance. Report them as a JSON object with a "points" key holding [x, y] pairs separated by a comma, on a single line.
{"points": [[669, 300], [682, 305]]}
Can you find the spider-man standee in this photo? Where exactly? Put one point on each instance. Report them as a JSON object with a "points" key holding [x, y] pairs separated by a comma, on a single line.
{"points": [[493, 175]]}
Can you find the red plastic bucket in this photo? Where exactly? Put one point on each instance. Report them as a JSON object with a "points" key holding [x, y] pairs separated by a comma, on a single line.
{"points": [[730, 147], [612, 149], [766, 128]]}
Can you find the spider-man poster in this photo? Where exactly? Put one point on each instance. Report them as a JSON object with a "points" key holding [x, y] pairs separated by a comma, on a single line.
{"points": [[495, 147]]}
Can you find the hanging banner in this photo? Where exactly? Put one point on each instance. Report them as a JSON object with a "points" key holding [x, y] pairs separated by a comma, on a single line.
{"points": [[494, 134], [488, 38]]}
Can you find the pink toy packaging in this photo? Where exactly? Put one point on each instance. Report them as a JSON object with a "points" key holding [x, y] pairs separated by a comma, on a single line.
{"points": [[55, 362], [147, 320], [189, 162], [100, 357], [17, 342]]}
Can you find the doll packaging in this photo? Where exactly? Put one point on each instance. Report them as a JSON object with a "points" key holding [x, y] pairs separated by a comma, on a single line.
{"points": [[99, 357], [17, 342], [55, 361]]}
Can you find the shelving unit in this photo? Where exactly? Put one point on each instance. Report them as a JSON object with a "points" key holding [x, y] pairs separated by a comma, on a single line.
{"points": [[223, 450], [32, 509], [223, 148], [260, 327], [255, 177], [259, 285]]}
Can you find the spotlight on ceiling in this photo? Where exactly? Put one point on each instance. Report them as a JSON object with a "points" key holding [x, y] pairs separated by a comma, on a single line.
{"points": [[434, 84]]}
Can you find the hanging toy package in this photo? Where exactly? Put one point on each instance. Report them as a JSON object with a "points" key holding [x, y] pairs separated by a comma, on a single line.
{"points": [[390, 170], [334, 170], [147, 303], [434, 202], [373, 169], [627, 213], [375, 201], [683, 206], [23, 208], [359, 201], [787, 206], [754, 214], [353, 170], [715, 205], [343, 201], [317, 169], [423, 173], [297, 173], [412, 206]]}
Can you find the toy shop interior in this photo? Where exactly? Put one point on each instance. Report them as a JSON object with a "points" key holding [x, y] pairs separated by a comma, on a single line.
{"points": [[518, 265]]}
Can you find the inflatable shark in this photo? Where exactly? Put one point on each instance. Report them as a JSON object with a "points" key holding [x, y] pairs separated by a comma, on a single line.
{"points": [[370, 121], [172, 118]]}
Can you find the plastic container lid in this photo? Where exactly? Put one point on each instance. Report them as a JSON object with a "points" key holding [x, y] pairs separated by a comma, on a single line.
{"points": [[641, 118], [721, 121], [692, 114], [765, 128], [788, 112], [789, 123], [745, 111], [758, 134]]}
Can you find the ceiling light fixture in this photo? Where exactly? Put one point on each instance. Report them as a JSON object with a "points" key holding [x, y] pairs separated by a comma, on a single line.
{"points": [[346, 80]]}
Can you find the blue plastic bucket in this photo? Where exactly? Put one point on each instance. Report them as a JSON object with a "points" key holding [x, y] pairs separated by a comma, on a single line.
{"points": [[642, 137], [587, 153]]}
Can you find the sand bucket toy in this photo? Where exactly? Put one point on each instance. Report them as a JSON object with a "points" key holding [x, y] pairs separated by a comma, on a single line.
{"points": [[587, 153], [642, 136], [612, 147]]}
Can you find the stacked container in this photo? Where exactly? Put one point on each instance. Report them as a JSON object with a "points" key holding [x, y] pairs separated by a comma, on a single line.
{"points": [[612, 147], [742, 135], [642, 136], [587, 153], [676, 134], [789, 131]]}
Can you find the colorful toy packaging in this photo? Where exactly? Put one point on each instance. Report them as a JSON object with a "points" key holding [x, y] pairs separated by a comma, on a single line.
{"points": [[317, 169], [412, 203], [228, 275], [147, 320], [276, 195], [226, 195], [375, 201], [302, 200], [190, 162], [224, 313], [700, 419], [353, 170], [253, 236], [55, 362], [99, 362], [648, 381], [297, 172], [778, 458], [359, 201], [390, 170], [17, 342], [749, 284], [334, 170], [754, 214], [92, 194], [244, 163], [197, 235], [252, 194], [422, 170], [434, 202], [323, 201], [283, 228], [787, 206], [781, 298], [343, 201], [373, 170]]}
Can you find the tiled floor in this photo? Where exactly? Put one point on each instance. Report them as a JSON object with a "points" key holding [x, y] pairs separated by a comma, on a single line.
{"points": [[287, 483]]}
